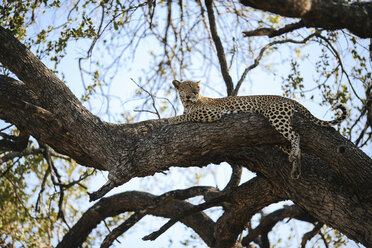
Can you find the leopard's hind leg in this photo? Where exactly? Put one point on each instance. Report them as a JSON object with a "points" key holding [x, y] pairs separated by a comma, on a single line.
{"points": [[280, 118], [295, 156]]}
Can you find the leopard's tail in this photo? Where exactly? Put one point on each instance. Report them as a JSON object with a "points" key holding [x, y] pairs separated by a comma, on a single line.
{"points": [[339, 119]]}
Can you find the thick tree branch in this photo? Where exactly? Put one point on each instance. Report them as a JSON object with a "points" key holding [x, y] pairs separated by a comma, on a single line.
{"points": [[329, 192], [270, 220], [328, 14], [54, 97], [156, 203], [12, 142], [48, 130], [244, 202], [134, 201]]}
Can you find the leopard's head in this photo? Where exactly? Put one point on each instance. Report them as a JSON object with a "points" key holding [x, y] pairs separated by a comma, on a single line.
{"points": [[189, 91]]}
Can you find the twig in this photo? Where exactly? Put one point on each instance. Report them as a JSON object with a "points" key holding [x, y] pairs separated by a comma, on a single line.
{"points": [[42, 188], [367, 140], [8, 168], [270, 32], [153, 97], [157, 202], [259, 57], [270, 220], [337, 55], [192, 210], [219, 48], [324, 240], [362, 133], [19, 199], [25, 152], [145, 111], [6, 127], [309, 235], [72, 183]]}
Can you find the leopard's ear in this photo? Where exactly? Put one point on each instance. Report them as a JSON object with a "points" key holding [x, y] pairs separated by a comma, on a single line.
{"points": [[199, 83], [176, 83]]}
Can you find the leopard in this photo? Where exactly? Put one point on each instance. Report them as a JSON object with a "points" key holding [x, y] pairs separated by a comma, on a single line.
{"points": [[277, 109]]}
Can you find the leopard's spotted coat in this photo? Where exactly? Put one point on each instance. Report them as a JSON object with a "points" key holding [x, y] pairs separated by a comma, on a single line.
{"points": [[278, 110]]}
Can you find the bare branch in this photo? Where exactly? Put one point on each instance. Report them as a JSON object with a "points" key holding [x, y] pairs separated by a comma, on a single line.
{"points": [[157, 203], [270, 32], [25, 152], [109, 185], [337, 55], [309, 235], [243, 203], [134, 201], [219, 48], [270, 220], [42, 188], [259, 57], [214, 202], [6, 126], [326, 14]]}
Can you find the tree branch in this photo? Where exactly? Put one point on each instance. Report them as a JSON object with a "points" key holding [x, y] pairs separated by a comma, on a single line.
{"points": [[134, 201], [54, 96], [194, 209], [259, 57], [270, 32], [331, 15], [244, 202], [156, 203], [270, 220], [219, 48], [309, 235], [48, 130]]}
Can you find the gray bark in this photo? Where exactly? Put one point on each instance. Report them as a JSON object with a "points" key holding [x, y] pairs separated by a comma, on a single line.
{"points": [[328, 14]]}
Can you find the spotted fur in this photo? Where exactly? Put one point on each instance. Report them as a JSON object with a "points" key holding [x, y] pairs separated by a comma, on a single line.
{"points": [[278, 110]]}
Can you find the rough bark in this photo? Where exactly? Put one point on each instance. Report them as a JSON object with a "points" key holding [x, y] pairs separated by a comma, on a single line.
{"points": [[335, 185], [134, 201], [328, 14], [242, 205]]}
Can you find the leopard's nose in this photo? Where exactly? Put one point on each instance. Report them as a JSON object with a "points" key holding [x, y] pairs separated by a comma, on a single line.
{"points": [[188, 97]]}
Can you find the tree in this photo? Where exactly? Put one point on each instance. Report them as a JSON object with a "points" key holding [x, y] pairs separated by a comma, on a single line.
{"points": [[52, 123]]}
